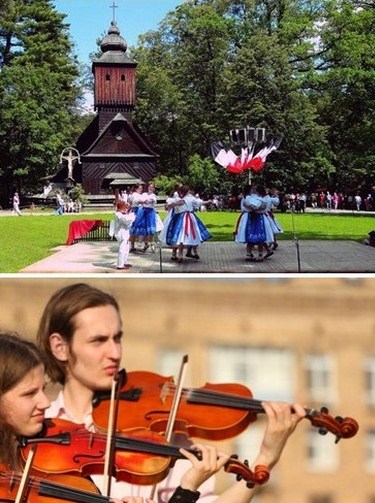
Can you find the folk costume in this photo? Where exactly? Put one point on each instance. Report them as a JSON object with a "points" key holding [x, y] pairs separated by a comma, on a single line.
{"points": [[272, 202], [184, 227], [123, 222], [253, 225]]}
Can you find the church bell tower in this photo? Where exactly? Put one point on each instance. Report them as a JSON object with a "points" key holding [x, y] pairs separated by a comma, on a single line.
{"points": [[114, 78]]}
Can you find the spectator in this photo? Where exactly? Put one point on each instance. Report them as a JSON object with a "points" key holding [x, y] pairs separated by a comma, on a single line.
{"points": [[16, 204]]}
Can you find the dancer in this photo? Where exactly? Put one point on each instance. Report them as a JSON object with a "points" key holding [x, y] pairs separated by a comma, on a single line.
{"points": [[147, 222], [253, 226], [135, 199], [184, 228], [124, 218], [272, 201], [81, 335]]}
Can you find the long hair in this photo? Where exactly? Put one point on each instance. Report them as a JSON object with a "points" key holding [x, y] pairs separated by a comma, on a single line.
{"points": [[17, 358], [59, 317]]}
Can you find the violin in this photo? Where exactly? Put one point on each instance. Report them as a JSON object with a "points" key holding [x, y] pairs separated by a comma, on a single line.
{"points": [[142, 456], [51, 489], [214, 411]]}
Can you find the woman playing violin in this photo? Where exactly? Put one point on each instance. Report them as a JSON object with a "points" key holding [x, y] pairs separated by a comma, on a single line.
{"points": [[23, 403], [80, 333], [22, 399]]}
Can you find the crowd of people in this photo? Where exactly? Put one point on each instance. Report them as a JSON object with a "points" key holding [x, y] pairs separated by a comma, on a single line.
{"points": [[326, 200], [79, 346]]}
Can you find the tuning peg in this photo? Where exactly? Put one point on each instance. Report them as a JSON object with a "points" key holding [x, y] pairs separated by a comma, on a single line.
{"points": [[250, 484], [339, 419], [239, 477], [323, 431], [324, 410]]}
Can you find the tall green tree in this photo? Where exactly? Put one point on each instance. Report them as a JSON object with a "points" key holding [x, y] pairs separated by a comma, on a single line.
{"points": [[344, 89], [232, 63], [38, 93]]}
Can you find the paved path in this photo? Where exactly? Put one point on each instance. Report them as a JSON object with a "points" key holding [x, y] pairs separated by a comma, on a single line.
{"points": [[291, 257]]}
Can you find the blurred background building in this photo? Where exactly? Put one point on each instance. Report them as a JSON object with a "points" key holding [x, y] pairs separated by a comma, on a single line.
{"points": [[307, 340]]}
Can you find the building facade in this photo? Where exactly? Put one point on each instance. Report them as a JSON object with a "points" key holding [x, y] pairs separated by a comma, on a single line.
{"points": [[300, 340]]}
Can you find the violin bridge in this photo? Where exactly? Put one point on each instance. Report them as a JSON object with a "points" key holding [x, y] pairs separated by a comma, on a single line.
{"points": [[164, 392]]}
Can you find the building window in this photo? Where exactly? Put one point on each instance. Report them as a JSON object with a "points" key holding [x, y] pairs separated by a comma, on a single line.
{"points": [[107, 77], [320, 379], [248, 365], [370, 450], [322, 455], [369, 369], [123, 78], [168, 362]]}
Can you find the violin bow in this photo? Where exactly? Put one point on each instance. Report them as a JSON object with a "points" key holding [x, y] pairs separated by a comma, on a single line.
{"points": [[174, 407], [109, 451], [176, 399], [25, 475]]}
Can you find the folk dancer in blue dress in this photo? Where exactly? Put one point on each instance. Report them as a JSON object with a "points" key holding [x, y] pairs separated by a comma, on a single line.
{"points": [[253, 226], [124, 219], [272, 200], [147, 222], [135, 199], [184, 228]]}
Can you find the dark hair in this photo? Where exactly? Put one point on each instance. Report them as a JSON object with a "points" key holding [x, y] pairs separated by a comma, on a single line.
{"points": [[261, 190], [183, 190], [17, 358], [59, 317]]}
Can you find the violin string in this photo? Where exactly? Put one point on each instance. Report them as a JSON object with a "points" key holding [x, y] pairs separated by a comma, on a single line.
{"points": [[56, 489], [210, 397]]}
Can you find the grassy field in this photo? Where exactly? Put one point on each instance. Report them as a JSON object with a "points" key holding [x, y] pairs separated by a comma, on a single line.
{"points": [[27, 239]]}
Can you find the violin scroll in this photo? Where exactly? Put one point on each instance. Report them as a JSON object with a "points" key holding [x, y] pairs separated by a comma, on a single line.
{"points": [[339, 426], [259, 476]]}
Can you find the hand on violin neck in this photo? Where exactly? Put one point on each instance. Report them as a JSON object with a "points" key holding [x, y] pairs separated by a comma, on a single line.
{"points": [[209, 462], [282, 420]]}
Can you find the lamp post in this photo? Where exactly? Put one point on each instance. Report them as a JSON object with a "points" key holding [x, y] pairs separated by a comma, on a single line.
{"points": [[247, 137]]}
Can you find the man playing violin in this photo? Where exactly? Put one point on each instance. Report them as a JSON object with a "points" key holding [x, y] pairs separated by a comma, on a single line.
{"points": [[80, 333]]}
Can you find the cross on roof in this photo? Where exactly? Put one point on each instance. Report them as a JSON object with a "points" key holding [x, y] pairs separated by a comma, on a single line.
{"points": [[114, 7]]}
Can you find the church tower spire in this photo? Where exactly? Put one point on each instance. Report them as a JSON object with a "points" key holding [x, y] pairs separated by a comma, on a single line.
{"points": [[114, 75]]}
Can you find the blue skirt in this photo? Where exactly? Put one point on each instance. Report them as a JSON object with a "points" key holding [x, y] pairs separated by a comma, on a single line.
{"points": [[187, 229], [255, 229], [144, 223]]}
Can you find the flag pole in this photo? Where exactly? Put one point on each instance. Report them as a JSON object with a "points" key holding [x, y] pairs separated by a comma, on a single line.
{"points": [[296, 242]]}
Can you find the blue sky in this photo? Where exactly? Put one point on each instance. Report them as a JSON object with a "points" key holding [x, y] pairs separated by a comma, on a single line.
{"points": [[89, 19]]}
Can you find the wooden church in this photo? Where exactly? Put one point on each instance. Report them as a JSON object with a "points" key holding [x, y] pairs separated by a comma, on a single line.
{"points": [[114, 153]]}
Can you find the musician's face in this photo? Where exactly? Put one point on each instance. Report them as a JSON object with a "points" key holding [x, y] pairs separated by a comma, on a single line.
{"points": [[24, 405], [95, 353]]}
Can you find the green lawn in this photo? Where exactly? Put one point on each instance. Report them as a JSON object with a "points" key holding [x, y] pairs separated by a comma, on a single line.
{"points": [[27, 239]]}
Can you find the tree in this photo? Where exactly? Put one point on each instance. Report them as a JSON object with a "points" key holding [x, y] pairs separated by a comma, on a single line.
{"points": [[344, 90], [38, 95], [232, 63]]}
